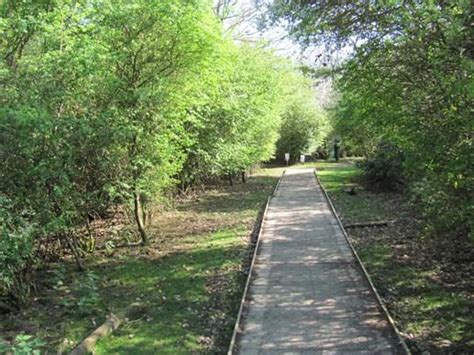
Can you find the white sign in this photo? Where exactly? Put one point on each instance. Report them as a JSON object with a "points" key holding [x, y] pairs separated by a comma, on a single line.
{"points": [[287, 157], [302, 158]]}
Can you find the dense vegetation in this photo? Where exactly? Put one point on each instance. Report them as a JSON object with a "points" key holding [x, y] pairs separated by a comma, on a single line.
{"points": [[406, 87], [303, 128], [121, 103], [181, 293]]}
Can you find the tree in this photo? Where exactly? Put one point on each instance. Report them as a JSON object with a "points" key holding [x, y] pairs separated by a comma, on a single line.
{"points": [[304, 124], [237, 116], [109, 103], [407, 81], [151, 47]]}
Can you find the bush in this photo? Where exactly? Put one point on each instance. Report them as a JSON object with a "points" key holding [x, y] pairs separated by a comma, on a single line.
{"points": [[321, 152], [16, 247], [448, 210], [383, 170]]}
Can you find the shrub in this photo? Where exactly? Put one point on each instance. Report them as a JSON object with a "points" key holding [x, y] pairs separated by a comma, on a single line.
{"points": [[383, 170], [16, 245], [448, 210]]}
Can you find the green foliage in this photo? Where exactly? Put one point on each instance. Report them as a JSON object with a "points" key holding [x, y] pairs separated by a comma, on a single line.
{"points": [[304, 124], [408, 80], [236, 117], [86, 289], [84, 294], [450, 208], [383, 170], [23, 345], [162, 43], [116, 102], [15, 253]]}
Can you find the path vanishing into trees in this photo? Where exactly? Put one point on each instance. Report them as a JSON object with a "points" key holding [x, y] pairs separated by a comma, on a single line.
{"points": [[307, 293]]}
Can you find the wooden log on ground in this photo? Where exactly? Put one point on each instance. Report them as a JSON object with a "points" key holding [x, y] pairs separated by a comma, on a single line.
{"points": [[87, 345], [368, 224]]}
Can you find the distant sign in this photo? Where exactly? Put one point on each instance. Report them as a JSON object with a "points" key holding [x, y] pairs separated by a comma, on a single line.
{"points": [[287, 157], [302, 158]]}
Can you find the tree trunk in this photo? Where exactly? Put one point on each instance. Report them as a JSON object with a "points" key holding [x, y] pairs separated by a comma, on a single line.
{"points": [[231, 181], [244, 178], [138, 218], [75, 253], [144, 216]]}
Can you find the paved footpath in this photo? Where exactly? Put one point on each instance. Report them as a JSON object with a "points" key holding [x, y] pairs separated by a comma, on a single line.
{"points": [[307, 294]]}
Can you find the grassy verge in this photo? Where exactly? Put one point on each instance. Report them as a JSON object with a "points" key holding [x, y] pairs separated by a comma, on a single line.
{"points": [[425, 281], [180, 295]]}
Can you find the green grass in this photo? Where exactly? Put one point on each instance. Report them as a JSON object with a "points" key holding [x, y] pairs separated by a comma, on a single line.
{"points": [[180, 295], [364, 206], [173, 294], [405, 265], [426, 312]]}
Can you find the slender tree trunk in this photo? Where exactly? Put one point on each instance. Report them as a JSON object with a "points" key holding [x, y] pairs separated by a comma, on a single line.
{"points": [[231, 181], [144, 216], [75, 253], [244, 177], [91, 235], [138, 218]]}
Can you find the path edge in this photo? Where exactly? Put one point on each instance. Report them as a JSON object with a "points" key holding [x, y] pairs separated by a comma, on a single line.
{"points": [[364, 270], [231, 349]]}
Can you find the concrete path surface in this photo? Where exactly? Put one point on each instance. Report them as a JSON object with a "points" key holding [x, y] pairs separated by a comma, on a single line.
{"points": [[307, 294]]}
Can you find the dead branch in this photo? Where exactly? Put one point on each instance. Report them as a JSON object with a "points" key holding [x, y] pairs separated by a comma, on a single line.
{"points": [[368, 224]]}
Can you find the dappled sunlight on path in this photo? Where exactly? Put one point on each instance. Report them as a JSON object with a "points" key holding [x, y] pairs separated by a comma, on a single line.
{"points": [[307, 294]]}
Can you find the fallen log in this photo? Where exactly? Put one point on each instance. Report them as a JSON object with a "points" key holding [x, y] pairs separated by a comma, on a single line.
{"points": [[87, 345], [368, 224]]}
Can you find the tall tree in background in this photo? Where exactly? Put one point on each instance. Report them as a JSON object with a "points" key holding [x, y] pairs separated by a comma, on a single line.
{"points": [[236, 115], [305, 125]]}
